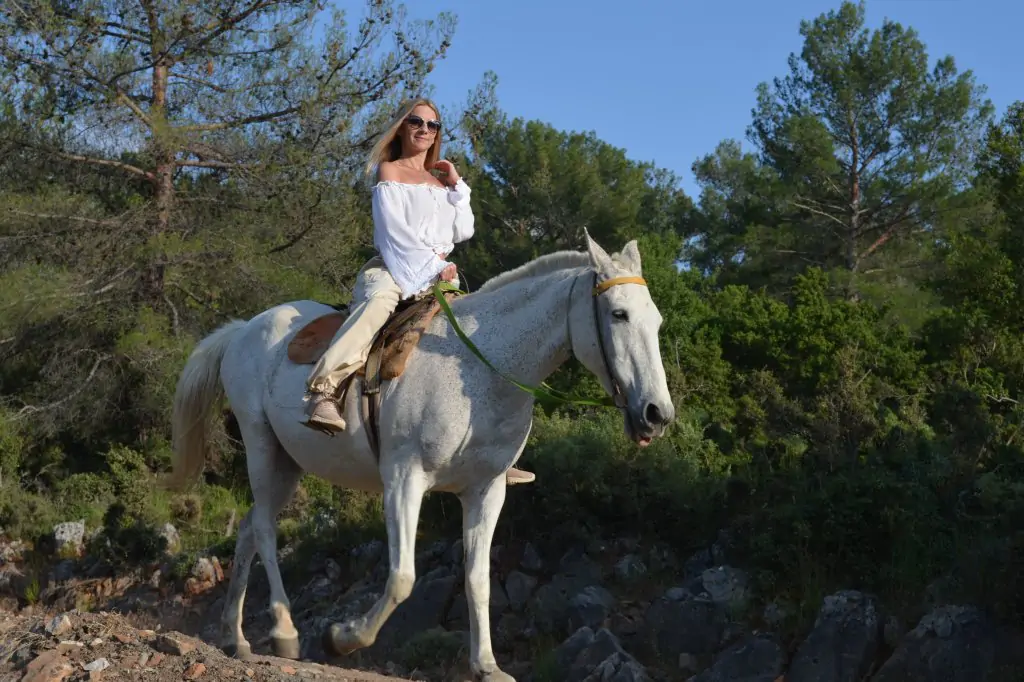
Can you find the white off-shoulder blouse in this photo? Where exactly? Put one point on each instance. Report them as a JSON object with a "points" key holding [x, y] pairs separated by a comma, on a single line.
{"points": [[413, 224]]}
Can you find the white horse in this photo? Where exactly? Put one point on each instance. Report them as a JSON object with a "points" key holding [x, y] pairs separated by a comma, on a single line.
{"points": [[448, 423]]}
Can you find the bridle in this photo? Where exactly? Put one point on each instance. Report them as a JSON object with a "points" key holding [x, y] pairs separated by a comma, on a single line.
{"points": [[596, 290], [544, 392]]}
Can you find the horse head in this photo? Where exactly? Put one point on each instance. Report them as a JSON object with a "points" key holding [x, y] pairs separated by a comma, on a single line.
{"points": [[622, 347]]}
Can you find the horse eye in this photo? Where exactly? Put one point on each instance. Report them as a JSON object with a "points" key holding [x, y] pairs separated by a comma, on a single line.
{"points": [[620, 314]]}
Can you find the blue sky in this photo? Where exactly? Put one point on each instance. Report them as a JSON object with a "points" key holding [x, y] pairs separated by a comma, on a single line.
{"points": [[666, 80]]}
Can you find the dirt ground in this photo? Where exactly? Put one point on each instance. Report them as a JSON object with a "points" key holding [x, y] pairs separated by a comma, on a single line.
{"points": [[68, 647]]}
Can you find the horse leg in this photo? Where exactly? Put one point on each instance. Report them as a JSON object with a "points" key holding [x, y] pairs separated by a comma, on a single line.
{"points": [[402, 502], [233, 641], [481, 507], [273, 477]]}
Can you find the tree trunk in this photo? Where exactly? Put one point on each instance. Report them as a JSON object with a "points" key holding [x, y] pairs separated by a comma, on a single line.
{"points": [[163, 182], [854, 226], [152, 284]]}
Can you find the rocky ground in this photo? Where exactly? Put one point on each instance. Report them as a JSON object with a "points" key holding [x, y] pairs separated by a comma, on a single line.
{"points": [[596, 612], [105, 646]]}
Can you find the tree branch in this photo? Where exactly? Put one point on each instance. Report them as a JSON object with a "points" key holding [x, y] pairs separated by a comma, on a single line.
{"points": [[120, 165], [31, 409], [49, 216], [227, 165], [222, 125], [296, 238], [199, 81], [819, 212]]}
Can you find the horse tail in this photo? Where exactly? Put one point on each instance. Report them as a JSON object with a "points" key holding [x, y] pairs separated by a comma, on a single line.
{"points": [[198, 389]]}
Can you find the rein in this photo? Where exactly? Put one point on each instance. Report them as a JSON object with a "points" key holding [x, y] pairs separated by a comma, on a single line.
{"points": [[544, 393]]}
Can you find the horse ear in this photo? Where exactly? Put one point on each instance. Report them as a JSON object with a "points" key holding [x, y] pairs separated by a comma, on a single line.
{"points": [[599, 258], [630, 257]]}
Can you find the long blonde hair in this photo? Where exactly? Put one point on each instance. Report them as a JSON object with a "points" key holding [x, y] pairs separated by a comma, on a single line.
{"points": [[389, 146]]}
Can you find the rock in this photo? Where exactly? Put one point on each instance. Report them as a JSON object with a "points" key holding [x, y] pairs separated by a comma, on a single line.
{"points": [[577, 564], [99, 665], [174, 644], [723, 545], [64, 571], [627, 544], [754, 658], [431, 555], [169, 533], [618, 667], [59, 625], [458, 613], [48, 666], [590, 607], [531, 560], [589, 656], [661, 558], [195, 671], [424, 609], [332, 570], [726, 585], [550, 607], [12, 551], [457, 554], [69, 538], [629, 568], [699, 562], [595, 546], [950, 644], [679, 594], [843, 642], [893, 631], [365, 556], [519, 587], [688, 663], [774, 614], [684, 626], [202, 570]]}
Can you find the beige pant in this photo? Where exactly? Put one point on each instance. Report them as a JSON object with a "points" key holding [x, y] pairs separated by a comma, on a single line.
{"points": [[374, 298]]}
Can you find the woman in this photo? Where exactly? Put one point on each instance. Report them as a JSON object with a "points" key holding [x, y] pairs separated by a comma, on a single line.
{"points": [[417, 220]]}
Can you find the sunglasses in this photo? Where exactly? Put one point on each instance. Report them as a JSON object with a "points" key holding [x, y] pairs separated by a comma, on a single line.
{"points": [[415, 121]]}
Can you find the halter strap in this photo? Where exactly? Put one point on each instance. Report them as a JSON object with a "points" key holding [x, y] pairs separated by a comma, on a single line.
{"points": [[609, 283]]}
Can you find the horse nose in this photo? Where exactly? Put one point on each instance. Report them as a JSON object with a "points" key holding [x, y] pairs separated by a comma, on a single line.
{"points": [[655, 417]]}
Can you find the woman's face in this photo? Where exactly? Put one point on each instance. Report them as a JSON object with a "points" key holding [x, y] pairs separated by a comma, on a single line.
{"points": [[419, 130]]}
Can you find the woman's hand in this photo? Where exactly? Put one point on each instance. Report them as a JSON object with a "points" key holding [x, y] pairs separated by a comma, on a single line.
{"points": [[449, 272], [448, 169]]}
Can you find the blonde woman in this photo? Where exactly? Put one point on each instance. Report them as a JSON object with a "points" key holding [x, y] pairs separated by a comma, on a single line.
{"points": [[417, 220]]}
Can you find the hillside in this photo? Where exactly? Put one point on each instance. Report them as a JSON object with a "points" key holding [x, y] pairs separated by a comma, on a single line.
{"points": [[619, 610]]}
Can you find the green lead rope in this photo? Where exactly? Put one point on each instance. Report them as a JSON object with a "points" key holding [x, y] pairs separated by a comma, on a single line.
{"points": [[544, 394]]}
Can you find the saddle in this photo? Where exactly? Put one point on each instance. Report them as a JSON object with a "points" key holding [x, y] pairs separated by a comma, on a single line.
{"points": [[386, 359]]}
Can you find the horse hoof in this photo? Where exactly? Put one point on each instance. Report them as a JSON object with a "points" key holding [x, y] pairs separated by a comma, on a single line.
{"points": [[286, 647], [341, 640], [242, 651]]}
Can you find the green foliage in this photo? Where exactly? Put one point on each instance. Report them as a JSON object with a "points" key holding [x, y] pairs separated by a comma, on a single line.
{"points": [[127, 539], [432, 649], [859, 147]]}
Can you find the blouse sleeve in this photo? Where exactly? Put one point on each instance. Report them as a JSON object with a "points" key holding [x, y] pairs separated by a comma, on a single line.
{"points": [[413, 264], [464, 220]]}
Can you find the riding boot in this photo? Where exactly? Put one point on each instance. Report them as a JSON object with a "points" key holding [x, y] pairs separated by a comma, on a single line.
{"points": [[515, 476], [324, 414]]}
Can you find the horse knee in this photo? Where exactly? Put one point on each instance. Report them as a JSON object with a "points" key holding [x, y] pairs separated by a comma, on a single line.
{"points": [[400, 586]]}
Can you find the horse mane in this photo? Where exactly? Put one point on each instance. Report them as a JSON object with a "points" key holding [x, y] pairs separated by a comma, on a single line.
{"points": [[542, 265]]}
